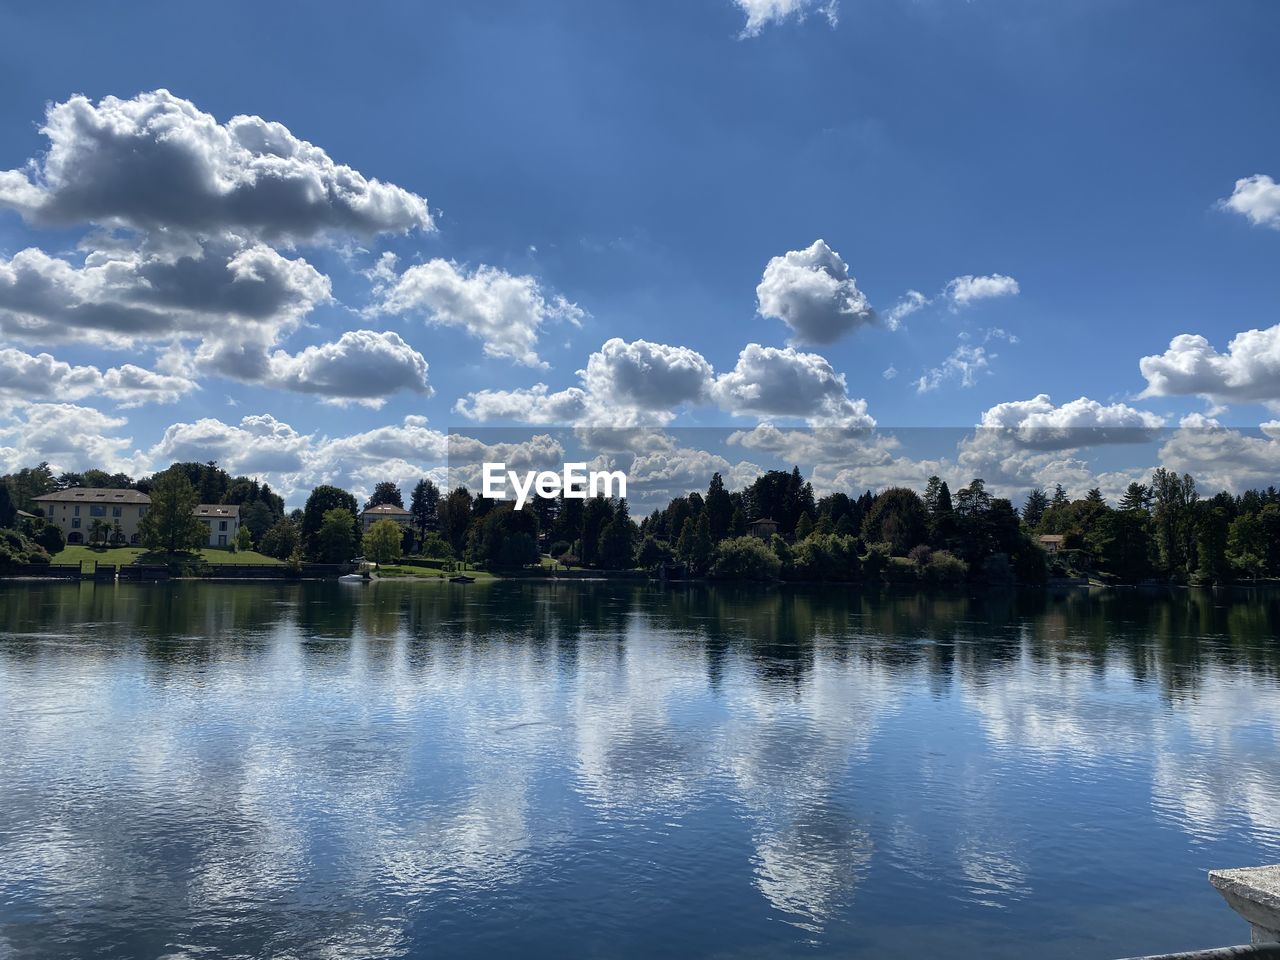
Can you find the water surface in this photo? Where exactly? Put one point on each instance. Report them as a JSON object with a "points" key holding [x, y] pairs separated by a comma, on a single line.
{"points": [[593, 770]]}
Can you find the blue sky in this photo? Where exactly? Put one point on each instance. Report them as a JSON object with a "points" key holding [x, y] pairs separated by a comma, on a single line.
{"points": [[646, 162]]}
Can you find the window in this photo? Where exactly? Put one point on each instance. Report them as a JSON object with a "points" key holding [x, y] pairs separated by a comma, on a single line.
{"points": [[97, 511], [77, 509], [222, 525], [117, 511], [75, 522]]}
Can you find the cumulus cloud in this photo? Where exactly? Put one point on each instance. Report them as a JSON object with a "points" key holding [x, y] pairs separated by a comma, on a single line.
{"points": [[24, 376], [1083, 422], [663, 474], [536, 404], [68, 436], [504, 311], [361, 366], [1249, 370], [257, 444], [761, 13], [1258, 198], [1221, 458], [912, 302], [811, 292], [962, 291], [157, 162], [964, 364], [642, 377], [773, 382]]}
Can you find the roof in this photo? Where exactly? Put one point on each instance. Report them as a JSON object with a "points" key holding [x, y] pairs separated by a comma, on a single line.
{"points": [[26, 516], [93, 495], [388, 509], [218, 510], [765, 520], [1051, 538]]}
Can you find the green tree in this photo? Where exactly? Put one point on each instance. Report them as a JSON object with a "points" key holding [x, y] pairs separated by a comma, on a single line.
{"points": [[1247, 545], [257, 518], [8, 512], [744, 558], [281, 540], [804, 527], [244, 539], [336, 539], [719, 507], [897, 517], [382, 542], [171, 525], [424, 502], [385, 492], [1033, 510], [322, 500]]}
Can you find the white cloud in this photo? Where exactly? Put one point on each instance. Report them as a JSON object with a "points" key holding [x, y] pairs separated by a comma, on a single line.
{"points": [[1083, 422], [258, 444], [773, 382], [911, 302], [24, 376], [533, 405], [504, 311], [235, 301], [1221, 458], [811, 292], [361, 366], [70, 437], [965, 364], [1249, 370], [663, 474], [761, 13], [157, 162], [1258, 198], [624, 380], [968, 289]]}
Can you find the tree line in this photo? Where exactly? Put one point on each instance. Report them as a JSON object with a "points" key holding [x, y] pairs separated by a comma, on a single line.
{"points": [[1162, 530]]}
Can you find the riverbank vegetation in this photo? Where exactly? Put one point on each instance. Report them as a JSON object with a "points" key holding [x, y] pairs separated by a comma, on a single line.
{"points": [[774, 529]]}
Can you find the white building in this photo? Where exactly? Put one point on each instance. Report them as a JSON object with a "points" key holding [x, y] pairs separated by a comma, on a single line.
{"points": [[223, 521], [75, 510], [384, 511]]}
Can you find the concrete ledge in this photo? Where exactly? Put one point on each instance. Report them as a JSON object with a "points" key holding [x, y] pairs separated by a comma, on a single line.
{"points": [[1254, 893]]}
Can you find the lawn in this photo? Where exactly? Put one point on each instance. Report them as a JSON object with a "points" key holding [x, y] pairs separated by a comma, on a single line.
{"points": [[123, 556], [390, 570]]}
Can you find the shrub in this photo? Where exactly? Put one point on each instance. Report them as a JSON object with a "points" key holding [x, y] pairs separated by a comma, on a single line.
{"points": [[50, 538], [826, 557], [436, 547], [876, 561], [919, 555], [744, 558], [944, 567]]}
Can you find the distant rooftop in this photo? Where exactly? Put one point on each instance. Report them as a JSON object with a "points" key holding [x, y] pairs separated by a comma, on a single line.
{"points": [[389, 509], [218, 510], [93, 495]]}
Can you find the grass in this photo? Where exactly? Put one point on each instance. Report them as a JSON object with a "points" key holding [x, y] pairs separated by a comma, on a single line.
{"points": [[428, 573], [123, 556]]}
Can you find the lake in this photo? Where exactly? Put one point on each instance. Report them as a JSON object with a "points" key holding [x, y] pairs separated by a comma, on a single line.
{"points": [[607, 770]]}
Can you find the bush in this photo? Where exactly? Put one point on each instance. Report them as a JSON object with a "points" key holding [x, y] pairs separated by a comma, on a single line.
{"points": [[826, 557], [436, 547], [876, 561], [18, 550], [944, 567], [560, 548], [920, 555], [744, 558], [50, 538]]}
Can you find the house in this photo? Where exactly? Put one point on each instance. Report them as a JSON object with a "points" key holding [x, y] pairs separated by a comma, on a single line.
{"points": [[75, 510], [384, 511], [1052, 543], [764, 528], [223, 521]]}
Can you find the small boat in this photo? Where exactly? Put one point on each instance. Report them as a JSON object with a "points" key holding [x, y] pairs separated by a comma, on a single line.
{"points": [[462, 578], [354, 578]]}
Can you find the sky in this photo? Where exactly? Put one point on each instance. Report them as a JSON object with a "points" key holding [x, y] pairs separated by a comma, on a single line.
{"points": [[675, 236]]}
